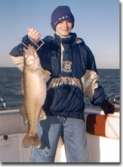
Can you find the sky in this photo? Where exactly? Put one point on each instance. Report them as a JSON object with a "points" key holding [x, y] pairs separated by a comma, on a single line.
{"points": [[96, 22]]}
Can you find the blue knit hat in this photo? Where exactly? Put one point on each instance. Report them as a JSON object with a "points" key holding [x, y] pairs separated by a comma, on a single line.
{"points": [[61, 13]]}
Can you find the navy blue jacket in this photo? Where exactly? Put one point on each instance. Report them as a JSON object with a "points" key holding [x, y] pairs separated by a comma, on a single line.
{"points": [[65, 100]]}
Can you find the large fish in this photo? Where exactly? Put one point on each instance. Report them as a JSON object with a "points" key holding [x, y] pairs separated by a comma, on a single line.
{"points": [[34, 89]]}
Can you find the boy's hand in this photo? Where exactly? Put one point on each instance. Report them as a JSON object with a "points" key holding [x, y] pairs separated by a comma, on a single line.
{"points": [[33, 34], [108, 107]]}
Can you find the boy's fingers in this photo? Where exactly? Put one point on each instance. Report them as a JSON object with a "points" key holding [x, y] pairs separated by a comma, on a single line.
{"points": [[34, 34]]}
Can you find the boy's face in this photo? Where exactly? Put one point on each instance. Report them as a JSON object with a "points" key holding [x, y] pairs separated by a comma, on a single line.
{"points": [[64, 28]]}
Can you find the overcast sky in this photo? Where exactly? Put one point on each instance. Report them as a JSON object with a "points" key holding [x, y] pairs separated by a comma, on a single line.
{"points": [[96, 21]]}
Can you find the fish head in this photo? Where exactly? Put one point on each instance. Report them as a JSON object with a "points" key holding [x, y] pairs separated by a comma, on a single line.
{"points": [[31, 58]]}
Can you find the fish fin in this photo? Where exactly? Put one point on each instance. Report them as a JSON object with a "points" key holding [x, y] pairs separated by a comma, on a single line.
{"points": [[24, 115], [42, 115], [46, 74], [31, 141]]}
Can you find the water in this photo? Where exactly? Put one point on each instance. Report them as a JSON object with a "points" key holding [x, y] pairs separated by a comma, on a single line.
{"points": [[110, 80], [10, 92]]}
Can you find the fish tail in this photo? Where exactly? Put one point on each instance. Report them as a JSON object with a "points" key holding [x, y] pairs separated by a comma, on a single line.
{"points": [[31, 140]]}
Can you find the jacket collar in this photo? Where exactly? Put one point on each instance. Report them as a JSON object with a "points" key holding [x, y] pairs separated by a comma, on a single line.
{"points": [[55, 42]]}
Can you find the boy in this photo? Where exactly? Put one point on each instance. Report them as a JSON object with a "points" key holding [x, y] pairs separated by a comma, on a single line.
{"points": [[67, 58]]}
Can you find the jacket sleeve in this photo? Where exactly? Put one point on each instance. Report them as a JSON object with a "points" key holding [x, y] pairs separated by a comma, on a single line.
{"points": [[91, 81], [16, 55]]}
